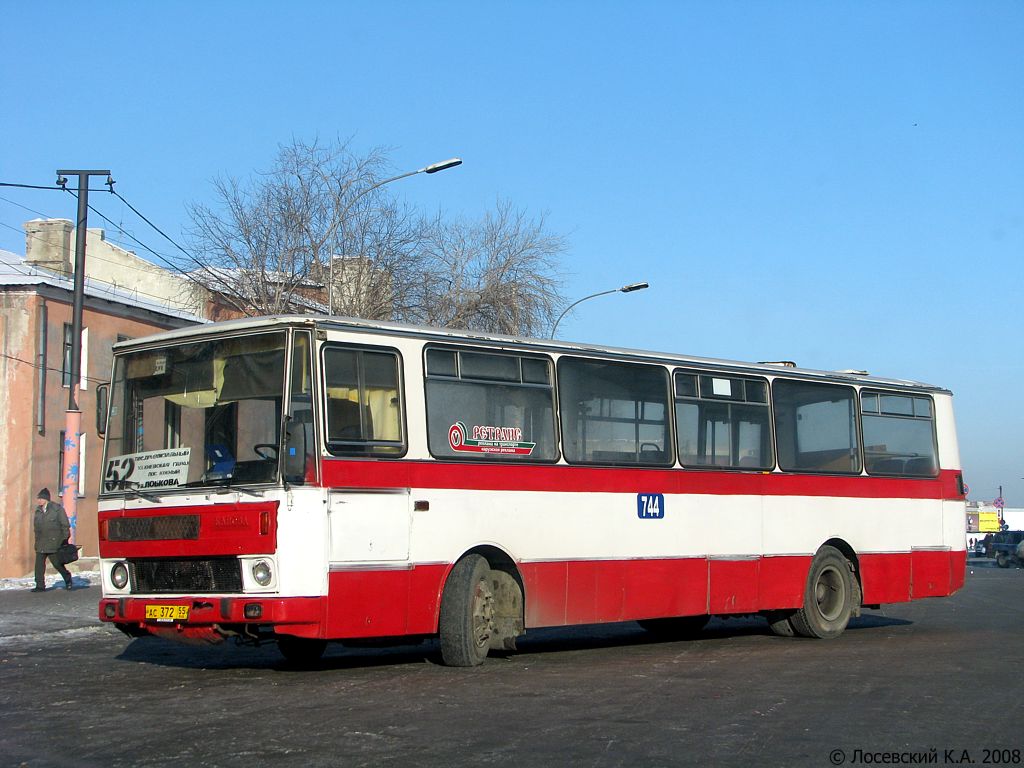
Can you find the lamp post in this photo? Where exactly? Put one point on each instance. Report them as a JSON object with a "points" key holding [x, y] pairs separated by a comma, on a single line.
{"points": [[624, 289], [444, 165]]}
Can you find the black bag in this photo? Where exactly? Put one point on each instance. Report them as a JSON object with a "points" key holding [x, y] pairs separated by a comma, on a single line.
{"points": [[68, 553]]}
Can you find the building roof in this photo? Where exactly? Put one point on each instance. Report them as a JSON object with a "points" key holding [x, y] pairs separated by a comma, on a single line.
{"points": [[15, 271]]}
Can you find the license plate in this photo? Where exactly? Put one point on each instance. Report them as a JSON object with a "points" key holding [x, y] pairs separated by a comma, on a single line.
{"points": [[167, 612]]}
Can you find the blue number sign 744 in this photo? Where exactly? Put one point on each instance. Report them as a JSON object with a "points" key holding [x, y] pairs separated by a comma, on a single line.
{"points": [[650, 506]]}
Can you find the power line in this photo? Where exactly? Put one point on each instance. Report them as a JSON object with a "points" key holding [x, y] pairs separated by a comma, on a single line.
{"points": [[24, 186], [93, 257], [163, 300], [25, 207], [154, 226], [36, 186], [48, 368], [111, 223], [165, 259], [224, 294]]}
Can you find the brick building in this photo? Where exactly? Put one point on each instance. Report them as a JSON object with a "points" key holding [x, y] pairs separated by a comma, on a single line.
{"points": [[125, 297]]}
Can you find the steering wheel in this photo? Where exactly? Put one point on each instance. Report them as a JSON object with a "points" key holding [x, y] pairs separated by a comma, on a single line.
{"points": [[260, 450]]}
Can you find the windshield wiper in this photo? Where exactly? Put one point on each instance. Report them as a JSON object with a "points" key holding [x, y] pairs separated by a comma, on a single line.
{"points": [[228, 488], [131, 486]]}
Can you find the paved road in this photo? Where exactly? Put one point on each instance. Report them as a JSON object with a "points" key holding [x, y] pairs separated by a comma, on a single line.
{"points": [[938, 674]]}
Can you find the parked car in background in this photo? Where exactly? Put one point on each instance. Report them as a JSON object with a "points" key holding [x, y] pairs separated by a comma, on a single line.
{"points": [[1007, 548]]}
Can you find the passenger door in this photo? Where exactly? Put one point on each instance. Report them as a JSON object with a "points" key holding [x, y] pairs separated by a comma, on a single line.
{"points": [[369, 525]]}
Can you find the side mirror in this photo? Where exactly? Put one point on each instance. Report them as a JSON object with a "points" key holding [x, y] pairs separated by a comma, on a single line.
{"points": [[102, 401], [298, 442]]}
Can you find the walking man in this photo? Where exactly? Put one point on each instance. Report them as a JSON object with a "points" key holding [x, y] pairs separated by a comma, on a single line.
{"points": [[52, 529]]}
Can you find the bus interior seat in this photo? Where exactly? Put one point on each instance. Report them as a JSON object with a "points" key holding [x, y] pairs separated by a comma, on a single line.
{"points": [[920, 466], [887, 466], [343, 420]]}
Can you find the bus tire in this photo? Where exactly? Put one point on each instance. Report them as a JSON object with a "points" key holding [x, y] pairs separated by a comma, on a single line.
{"points": [[1002, 560], [676, 626], [466, 622], [779, 622], [828, 597], [301, 651]]}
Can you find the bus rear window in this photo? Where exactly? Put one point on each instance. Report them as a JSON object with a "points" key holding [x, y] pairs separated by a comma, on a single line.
{"points": [[899, 434]]}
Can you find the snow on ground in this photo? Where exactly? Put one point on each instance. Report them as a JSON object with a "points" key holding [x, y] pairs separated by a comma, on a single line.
{"points": [[79, 579]]}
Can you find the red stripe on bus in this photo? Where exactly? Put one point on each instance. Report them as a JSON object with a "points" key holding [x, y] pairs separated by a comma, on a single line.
{"points": [[398, 602], [340, 473]]}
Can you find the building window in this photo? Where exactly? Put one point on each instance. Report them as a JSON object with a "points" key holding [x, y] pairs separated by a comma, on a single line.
{"points": [[83, 360], [66, 370]]}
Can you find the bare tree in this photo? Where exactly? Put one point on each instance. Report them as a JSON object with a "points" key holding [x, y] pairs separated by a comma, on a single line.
{"points": [[267, 246], [500, 274], [272, 243]]}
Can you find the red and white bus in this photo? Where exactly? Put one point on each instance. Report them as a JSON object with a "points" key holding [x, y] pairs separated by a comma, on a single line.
{"points": [[316, 479]]}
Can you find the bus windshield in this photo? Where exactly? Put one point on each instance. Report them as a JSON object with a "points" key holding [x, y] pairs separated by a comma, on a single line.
{"points": [[205, 413]]}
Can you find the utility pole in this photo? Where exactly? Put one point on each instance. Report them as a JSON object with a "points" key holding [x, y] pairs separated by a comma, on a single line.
{"points": [[73, 420]]}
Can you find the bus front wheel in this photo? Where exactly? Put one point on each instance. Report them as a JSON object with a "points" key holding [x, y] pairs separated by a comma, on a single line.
{"points": [[467, 613], [828, 597]]}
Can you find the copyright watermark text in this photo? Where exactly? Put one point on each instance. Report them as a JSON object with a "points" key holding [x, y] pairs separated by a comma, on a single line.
{"points": [[931, 756]]}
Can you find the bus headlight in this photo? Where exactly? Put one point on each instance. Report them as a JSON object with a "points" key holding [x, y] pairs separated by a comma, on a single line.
{"points": [[262, 573], [119, 575]]}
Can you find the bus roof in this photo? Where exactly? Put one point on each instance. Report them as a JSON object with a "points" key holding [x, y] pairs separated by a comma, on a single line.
{"points": [[356, 325]]}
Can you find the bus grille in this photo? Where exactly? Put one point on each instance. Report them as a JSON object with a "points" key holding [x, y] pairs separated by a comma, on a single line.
{"points": [[153, 528], [217, 574]]}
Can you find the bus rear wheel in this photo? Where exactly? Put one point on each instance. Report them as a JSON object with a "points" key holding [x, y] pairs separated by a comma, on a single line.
{"points": [[467, 613], [828, 597]]}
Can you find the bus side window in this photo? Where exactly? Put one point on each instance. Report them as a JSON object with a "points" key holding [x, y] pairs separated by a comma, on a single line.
{"points": [[614, 413], [300, 435], [815, 427], [489, 406], [364, 407], [724, 423]]}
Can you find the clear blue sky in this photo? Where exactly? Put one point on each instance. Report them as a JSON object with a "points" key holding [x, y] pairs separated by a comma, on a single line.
{"points": [[836, 183]]}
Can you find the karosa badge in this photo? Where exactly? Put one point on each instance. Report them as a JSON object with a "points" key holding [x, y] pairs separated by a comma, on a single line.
{"points": [[500, 440]]}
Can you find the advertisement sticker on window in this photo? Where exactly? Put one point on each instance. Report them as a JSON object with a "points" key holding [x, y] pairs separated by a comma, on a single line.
{"points": [[491, 440]]}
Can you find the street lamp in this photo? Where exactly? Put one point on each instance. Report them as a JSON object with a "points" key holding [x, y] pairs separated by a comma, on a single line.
{"points": [[624, 289], [444, 165]]}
